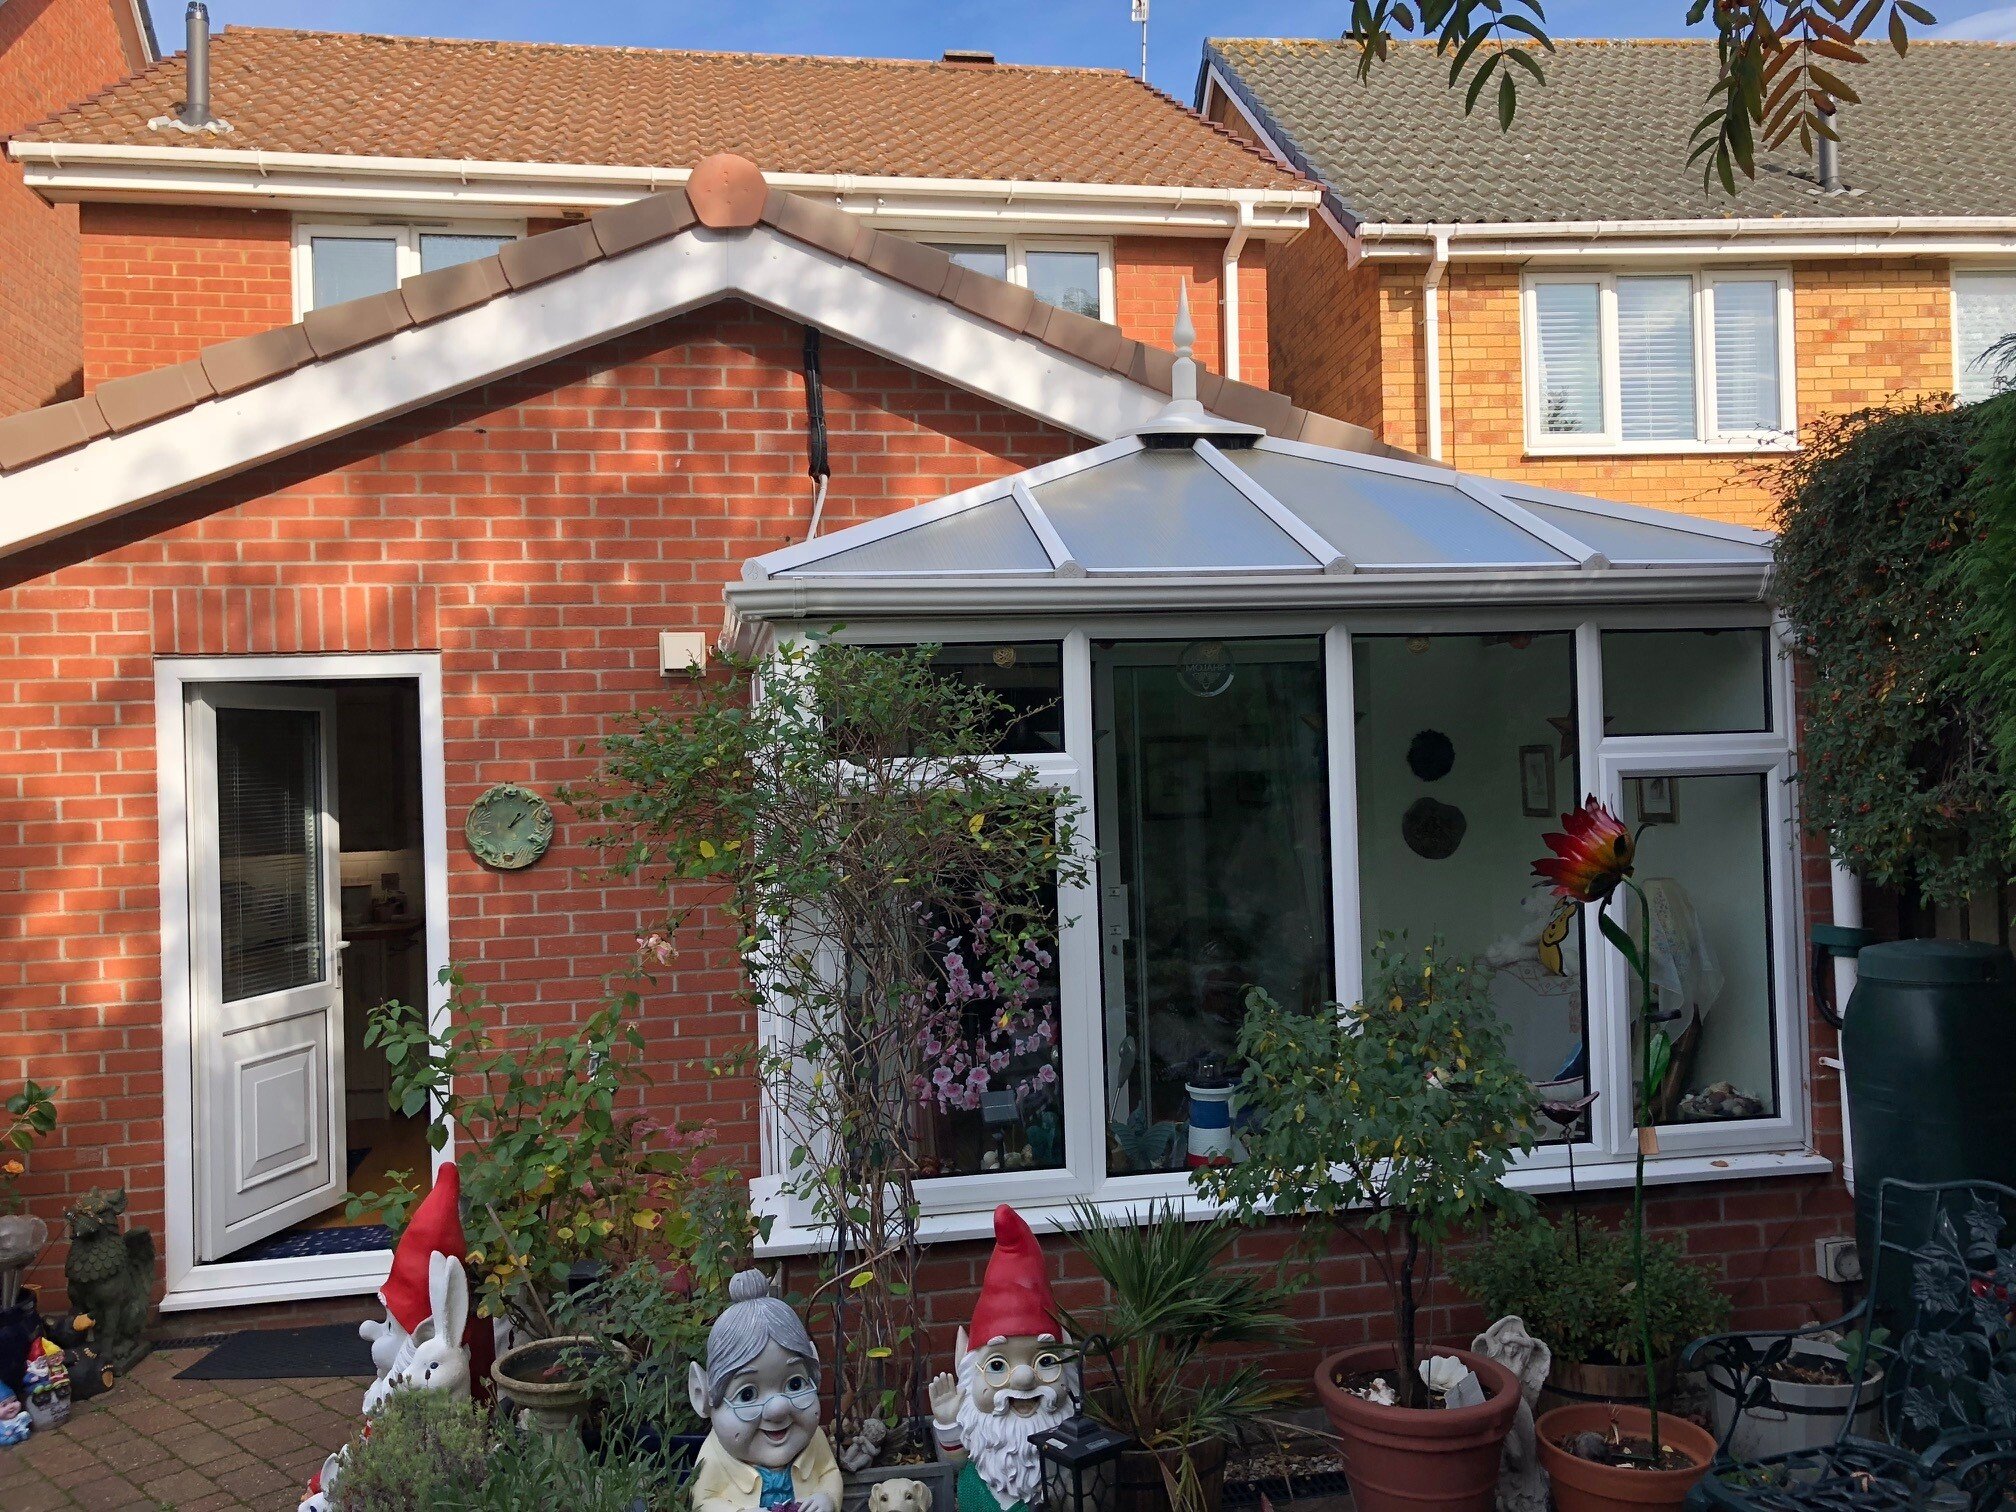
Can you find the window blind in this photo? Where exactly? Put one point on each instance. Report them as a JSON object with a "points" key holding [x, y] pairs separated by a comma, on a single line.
{"points": [[1747, 400], [269, 849], [1984, 312], [1655, 358], [1570, 358]]}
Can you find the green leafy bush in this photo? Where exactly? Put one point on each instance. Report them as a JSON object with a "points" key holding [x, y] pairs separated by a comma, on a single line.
{"points": [[29, 1117], [426, 1451], [1399, 1116], [1583, 1307], [1986, 572], [1899, 768], [651, 1327], [530, 1470]]}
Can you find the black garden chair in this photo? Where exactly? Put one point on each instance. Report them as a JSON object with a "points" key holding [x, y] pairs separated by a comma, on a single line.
{"points": [[1949, 1381]]}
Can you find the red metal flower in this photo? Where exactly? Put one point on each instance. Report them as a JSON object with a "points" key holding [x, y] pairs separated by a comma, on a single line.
{"points": [[1591, 859]]}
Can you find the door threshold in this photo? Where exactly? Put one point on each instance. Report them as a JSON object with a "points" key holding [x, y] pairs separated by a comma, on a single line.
{"points": [[246, 1283]]}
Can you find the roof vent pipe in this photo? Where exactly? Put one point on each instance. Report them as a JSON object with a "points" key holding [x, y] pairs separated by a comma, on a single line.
{"points": [[1827, 155], [194, 114]]}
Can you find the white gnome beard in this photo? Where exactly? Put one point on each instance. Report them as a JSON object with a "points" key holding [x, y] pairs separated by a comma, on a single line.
{"points": [[998, 1442]]}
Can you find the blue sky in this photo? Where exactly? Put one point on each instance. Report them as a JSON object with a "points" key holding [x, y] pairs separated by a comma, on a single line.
{"points": [[1034, 31]]}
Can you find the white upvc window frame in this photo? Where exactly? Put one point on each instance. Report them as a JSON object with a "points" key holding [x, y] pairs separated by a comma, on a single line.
{"points": [[1708, 434], [957, 1207], [404, 236], [1020, 246], [1957, 275]]}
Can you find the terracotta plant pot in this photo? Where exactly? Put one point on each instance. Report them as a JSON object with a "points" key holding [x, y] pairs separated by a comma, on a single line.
{"points": [[1404, 1459], [1583, 1486]]}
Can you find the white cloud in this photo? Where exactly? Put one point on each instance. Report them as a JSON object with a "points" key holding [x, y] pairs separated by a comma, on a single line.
{"points": [[1996, 24]]}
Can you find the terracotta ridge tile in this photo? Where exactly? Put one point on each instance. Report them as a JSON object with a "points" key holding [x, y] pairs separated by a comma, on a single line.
{"points": [[338, 328], [250, 360], [38, 434], [141, 398]]}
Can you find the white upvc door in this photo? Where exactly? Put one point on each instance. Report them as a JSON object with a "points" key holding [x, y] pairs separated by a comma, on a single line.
{"points": [[266, 960]]}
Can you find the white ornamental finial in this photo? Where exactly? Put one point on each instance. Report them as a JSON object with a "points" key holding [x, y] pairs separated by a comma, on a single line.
{"points": [[1182, 419], [1183, 377]]}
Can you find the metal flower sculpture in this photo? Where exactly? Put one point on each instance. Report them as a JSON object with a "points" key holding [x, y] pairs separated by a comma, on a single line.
{"points": [[1592, 859]]}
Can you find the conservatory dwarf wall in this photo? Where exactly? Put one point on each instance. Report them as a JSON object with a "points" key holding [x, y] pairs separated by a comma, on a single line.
{"points": [[1309, 699]]}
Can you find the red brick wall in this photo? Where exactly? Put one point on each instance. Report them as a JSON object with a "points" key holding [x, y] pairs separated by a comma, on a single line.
{"points": [[161, 283], [539, 534], [1147, 271], [52, 53]]}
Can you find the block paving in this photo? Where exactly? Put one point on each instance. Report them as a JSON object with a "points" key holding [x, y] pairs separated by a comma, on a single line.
{"points": [[154, 1442]]}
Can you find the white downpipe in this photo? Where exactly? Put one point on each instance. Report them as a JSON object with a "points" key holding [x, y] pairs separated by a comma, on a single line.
{"points": [[1431, 337], [1846, 890], [1228, 285]]}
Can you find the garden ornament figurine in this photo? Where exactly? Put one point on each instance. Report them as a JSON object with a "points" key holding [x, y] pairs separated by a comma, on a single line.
{"points": [[1522, 1484], [1015, 1381], [759, 1391], [111, 1276], [899, 1496]]}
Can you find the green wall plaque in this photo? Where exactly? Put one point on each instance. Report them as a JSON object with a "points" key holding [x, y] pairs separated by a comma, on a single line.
{"points": [[509, 827]]}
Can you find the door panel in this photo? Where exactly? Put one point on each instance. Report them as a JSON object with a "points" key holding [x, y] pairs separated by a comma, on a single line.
{"points": [[266, 958]]}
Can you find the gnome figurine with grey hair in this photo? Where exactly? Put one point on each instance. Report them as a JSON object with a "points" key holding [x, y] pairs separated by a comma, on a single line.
{"points": [[759, 1391]]}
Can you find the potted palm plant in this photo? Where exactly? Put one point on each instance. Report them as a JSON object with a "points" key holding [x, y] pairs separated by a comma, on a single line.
{"points": [[1602, 1456], [1396, 1120], [1172, 1298]]}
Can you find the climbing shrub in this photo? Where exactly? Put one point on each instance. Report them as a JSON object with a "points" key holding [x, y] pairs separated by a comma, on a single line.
{"points": [[1900, 768], [1988, 576]]}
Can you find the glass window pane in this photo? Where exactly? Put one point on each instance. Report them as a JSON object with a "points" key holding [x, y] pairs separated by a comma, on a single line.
{"points": [[1686, 682], [1028, 676], [1984, 312], [988, 1073], [441, 249], [349, 267], [1746, 356], [979, 257], [1214, 872], [1704, 863], [1655, 358], [1466, 757], [269, 849], [1570, 362], [1069, 280]]}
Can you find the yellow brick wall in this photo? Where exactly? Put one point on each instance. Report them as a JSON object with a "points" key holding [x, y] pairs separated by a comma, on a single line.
{"points": [[1865, 331]]}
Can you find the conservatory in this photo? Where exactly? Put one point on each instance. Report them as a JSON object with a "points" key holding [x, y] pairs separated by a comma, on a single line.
{"points": [[1306, 698]]}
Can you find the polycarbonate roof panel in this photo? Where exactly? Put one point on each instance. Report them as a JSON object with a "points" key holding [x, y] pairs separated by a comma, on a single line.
{"points": [[1630, 540], [1164, 511], [1381, 519], [990, 537]]}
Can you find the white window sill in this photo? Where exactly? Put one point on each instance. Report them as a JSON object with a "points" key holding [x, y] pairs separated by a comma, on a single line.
{"points": [[1591, 1175], [1731, 447]]}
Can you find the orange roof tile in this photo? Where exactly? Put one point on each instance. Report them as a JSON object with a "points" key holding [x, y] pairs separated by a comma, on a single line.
{"points": [[344, 93]]}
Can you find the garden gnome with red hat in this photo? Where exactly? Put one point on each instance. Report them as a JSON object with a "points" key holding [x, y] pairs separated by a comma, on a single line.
{"points": [[1015, 1378], [435, 1229]]}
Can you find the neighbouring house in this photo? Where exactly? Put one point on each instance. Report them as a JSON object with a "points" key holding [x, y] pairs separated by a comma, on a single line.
{"points": [[51, 53], [277, 615], [1565, 302]]}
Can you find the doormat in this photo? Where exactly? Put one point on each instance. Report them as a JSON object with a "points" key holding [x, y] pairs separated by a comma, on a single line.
{"points": [[294, 1244], [275, 1354]]}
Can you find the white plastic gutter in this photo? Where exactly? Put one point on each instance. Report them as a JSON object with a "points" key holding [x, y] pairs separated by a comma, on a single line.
{"points": [[1431, 340], [1228, 284], [1735, 236]]}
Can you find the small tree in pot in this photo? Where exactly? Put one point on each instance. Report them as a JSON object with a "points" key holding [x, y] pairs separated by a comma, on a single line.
{"points": [[1396, 1120]]}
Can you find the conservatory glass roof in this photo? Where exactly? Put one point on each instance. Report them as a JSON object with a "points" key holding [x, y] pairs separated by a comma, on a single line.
{"points": [[1206, 510]]}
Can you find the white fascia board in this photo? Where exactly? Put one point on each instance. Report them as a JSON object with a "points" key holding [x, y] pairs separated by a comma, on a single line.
{"points": [[1734, 237], [519, 330], [341, 183]]}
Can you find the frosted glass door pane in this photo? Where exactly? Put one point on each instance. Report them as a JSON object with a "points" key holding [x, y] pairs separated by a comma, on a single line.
{"points": [[1704, 863], [1570, 363], [1069, 280], [1984, 312], [269, 849], [440, 249], [992, 261], [1746, 356], [349, 267], [1655, 358]]}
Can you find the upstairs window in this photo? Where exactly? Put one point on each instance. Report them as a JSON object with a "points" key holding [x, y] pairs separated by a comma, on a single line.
{"points": [[1076, 276], [335, 263], [1658, 361], [1984, 313]]}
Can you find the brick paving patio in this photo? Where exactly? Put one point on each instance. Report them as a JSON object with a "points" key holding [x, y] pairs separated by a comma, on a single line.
{"points": [[155, 1442]]}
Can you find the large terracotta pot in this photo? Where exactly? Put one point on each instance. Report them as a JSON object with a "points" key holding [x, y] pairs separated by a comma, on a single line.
{"points": [[1402, 1459], [1583, 1486]]}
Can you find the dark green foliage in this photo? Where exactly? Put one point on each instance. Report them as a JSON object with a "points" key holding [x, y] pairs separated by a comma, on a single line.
{"points": [[1988, 577], [1583, 1308], [425, 1451], [1899, 769]]}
